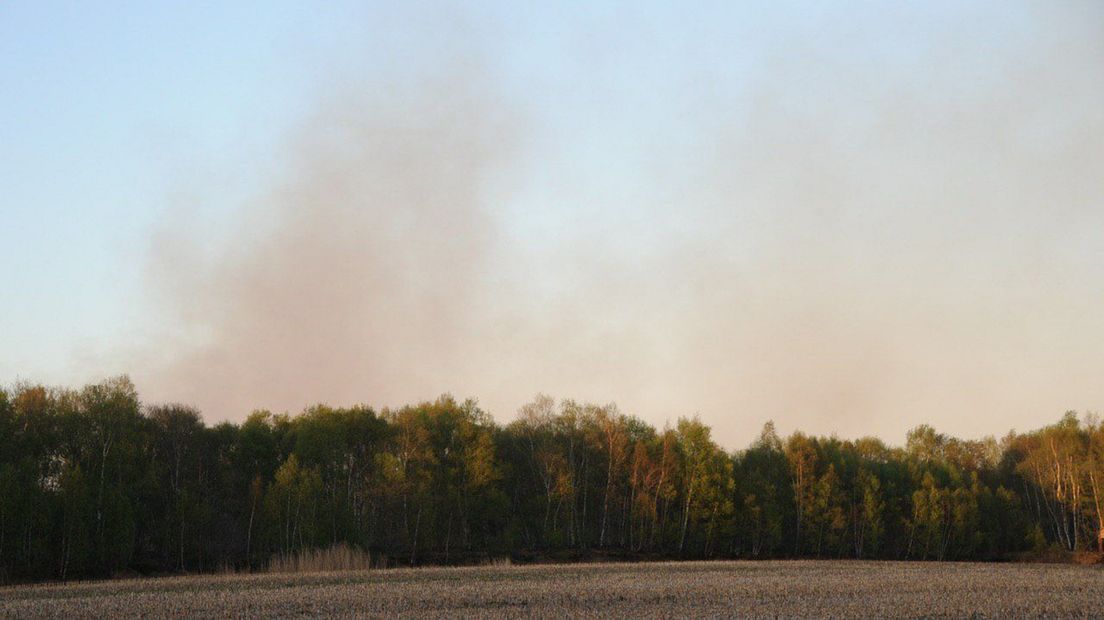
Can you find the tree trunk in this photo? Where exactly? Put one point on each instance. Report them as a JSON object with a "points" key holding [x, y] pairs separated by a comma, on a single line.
{"points": [[414, 547], [686, 517]]}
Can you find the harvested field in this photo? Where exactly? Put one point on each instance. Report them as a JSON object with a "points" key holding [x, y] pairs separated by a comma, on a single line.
{"points": [[784, 588]]}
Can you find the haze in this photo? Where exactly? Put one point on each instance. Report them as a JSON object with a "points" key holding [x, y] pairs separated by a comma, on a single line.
{"points": [[852, 218]]}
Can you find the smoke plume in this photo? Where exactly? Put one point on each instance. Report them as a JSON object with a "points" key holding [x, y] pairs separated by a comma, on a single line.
{"points": [[851, 243]]}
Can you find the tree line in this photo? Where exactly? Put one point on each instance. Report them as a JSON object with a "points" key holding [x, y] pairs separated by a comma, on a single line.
{"points": [[95, 483]]}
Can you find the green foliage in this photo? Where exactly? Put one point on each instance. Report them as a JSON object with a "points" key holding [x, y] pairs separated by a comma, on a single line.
{"points": [[93, 483]]}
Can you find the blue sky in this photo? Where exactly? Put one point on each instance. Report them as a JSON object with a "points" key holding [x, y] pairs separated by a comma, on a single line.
{"points": [[104, 105], [717, 202]]}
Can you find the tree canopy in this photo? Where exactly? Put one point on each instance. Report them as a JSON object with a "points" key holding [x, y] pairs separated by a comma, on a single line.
{"points": [[93, 483]]}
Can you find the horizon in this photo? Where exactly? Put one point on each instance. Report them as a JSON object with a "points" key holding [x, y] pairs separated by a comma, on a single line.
{"points": [[849, 220], [999, 438]]}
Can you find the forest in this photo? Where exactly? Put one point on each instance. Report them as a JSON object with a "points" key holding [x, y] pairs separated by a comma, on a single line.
{"points": [[94, 483]]}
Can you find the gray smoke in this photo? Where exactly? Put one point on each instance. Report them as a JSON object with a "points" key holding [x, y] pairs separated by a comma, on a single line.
{"points": [[859, 245]]}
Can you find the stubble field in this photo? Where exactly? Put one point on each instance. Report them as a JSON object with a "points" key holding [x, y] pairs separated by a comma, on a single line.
{"points": [[695, 589]]}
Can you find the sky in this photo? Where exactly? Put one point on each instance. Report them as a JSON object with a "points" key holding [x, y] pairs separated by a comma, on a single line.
{"points": [[849, 218]]}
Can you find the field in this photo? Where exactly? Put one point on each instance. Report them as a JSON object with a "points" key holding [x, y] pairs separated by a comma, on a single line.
{"points": [[785, 588]]}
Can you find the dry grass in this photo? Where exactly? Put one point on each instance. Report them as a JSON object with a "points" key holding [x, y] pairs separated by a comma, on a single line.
{"points": [[692, 589], [340, 557]]}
